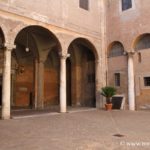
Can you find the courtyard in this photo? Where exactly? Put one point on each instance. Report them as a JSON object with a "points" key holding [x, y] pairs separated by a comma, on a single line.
{"points": [[77, 130]]}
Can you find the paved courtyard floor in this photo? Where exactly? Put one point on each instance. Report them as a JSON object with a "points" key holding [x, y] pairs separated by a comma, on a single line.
{"points": [[78, 130]]}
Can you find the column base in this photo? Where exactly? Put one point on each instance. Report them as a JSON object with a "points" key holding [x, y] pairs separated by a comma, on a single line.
{"points": [[6, 117], [63, 110]]}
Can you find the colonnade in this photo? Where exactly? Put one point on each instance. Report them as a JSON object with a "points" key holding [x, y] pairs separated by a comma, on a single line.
{"points": [[6, 91]]}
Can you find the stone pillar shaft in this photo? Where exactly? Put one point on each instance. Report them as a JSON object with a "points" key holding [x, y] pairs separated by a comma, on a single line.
{"points": [[6, 91], [131, 92], [63, 101]]}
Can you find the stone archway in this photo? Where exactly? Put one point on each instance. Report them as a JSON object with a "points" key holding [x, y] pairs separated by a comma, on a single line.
{"points": [[33, 46], [24, 57], [81, 66]]}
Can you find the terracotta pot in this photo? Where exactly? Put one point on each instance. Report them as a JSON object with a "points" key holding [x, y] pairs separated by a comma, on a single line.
{"points": [[108, 106]]}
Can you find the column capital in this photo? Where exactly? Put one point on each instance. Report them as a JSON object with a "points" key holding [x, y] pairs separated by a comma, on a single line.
{"points": [[64, 56], [129, 53], [9, 47]]}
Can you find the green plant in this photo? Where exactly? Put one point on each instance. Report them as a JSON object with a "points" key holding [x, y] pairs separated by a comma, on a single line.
{"points": [[108, 92]]}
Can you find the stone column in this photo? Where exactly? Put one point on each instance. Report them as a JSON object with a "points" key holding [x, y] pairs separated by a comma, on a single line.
{"points": [[63, 101], [6, 91], [40, 86], [131, 87]]}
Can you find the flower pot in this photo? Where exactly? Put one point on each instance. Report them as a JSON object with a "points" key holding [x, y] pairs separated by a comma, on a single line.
{"points": [[108, 106]]}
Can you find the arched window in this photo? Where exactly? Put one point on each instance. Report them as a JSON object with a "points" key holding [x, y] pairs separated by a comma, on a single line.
{"points": [[143, 42], [116, 49]]}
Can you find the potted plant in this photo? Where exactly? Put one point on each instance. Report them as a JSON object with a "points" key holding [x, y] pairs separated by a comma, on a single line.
{"points": [[108, 92]]}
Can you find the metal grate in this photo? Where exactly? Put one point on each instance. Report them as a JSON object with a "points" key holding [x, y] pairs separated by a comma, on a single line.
{"points": [[119, 135]]}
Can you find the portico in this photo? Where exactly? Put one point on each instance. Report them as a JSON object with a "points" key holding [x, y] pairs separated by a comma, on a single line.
{"points": [[35, 72]]}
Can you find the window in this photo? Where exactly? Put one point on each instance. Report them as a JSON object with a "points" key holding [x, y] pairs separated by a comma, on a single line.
{"points": [[117, 79], [146, 81], [126, 4], [84, 4], [143, 42], [117, 49]]}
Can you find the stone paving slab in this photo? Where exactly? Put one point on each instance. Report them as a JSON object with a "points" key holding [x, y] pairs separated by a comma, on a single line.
{"points": [[87, 130]]}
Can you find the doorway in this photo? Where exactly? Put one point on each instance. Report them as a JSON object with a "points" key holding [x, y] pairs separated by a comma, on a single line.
{"points": [[68, 74], [81, 74]]}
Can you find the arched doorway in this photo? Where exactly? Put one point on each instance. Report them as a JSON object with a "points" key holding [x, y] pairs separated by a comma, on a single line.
{"points": [[2, 41], [81, 74], [24, 57], [35, 64]]}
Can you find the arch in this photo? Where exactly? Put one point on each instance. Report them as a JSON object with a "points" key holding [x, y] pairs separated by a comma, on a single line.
{"points": [[116, 48], [87, 43], [21, 27], [81, 73], [142, 42], [44, 39], [34, 44]]}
